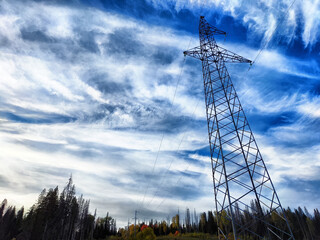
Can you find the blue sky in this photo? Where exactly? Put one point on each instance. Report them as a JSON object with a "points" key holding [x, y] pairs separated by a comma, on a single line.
{"points": [[88, 88]]}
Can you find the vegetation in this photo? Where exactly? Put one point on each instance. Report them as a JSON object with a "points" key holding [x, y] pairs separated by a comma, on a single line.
{"points": [[53, 217], [65, 217], [190, 236]]}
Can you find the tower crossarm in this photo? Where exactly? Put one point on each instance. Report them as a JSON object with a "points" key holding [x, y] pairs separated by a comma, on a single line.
{"points": [[194, 52], [228, 56], [241, 181], [215, 54]]}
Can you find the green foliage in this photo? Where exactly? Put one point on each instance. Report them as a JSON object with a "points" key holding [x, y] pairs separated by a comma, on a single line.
{"points": [[53, 217], [104, 227], [64, 216], [189, 236], [115, 238], [146, 234], [175, 223]]}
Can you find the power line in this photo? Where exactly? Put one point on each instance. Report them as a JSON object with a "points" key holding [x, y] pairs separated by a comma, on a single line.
{"points": [[157, 156], [255, 59], [201, 9], [180, 176], [233, 148], [167, 170], [269, 39], [172, 102]]}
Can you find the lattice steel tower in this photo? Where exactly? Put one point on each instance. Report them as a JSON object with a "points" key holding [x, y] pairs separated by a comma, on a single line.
{"points": [[240, 178]]}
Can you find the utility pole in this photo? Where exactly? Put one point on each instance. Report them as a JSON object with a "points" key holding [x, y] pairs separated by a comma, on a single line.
{"points": [[196, 219], [128, 230], [135, 222], [179, 221], [240, 177], [93, 224]]}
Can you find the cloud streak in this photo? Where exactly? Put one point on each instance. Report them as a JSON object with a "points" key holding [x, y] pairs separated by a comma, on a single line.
{"points": [[90, 92], [262, 17]]}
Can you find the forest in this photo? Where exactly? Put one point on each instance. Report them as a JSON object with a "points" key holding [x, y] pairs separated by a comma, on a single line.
{"points": [[64, 216]]}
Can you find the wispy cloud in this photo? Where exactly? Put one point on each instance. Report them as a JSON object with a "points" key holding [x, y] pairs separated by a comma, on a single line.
{"points": [[262, 17], [310, 106], [90, 92]]}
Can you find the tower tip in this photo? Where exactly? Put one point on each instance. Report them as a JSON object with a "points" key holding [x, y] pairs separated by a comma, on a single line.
{"points": [[201, 17]]}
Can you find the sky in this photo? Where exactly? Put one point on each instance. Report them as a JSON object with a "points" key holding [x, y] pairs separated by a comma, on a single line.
{"points": [[100, 90]]}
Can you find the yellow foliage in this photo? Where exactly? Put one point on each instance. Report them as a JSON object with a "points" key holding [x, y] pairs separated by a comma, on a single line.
{"points": [[146, 234]]}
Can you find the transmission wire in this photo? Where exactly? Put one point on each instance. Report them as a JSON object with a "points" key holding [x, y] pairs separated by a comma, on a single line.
{"points": [[167, 170], [180, 176], [172, 102], [184, 60], [255, 59], [269, 39]]}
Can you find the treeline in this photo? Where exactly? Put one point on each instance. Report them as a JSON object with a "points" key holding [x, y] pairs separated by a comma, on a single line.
{"points": [[304, 225], [63, 216], [55, 216]]}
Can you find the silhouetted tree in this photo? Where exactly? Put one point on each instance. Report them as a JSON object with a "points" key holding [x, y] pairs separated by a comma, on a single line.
{"points": [[65, 217]]}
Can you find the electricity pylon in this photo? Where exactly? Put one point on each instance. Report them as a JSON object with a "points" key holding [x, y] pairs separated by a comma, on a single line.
{"points": [[240, 177]]}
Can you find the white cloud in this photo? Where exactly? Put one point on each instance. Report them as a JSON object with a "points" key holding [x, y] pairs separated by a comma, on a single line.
{"points": [[311, 14], [253, 99], [310, 106], [286, 163], [52, 78], [263, 16], [8, 27], [41, 78]]}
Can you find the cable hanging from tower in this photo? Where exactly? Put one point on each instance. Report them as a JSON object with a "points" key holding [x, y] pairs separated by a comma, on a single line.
{"points": [[162, 138], [272, 33]]}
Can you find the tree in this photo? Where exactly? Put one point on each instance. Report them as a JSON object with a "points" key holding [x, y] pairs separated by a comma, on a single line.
{"points": [[7, 225], [211, 224], [146, 234], [163, 228], [105, 227], [225, 222], [68, 211], [203, 222], [175, 223], [188, 220], [316, 222]]}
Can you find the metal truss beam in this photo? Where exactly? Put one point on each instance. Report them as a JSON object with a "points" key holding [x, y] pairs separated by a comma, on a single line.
{"points": [[240, 177]]}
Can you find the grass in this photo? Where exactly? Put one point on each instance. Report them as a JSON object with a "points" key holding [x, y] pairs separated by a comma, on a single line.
{"points": [[189, 236]]}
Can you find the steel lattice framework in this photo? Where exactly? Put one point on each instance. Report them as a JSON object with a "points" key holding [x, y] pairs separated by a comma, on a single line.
{"points": [[240, 177]]}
